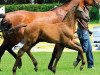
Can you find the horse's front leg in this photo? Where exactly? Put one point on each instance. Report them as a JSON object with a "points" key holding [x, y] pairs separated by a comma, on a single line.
{"points": [[53, 57], [56, 56]]}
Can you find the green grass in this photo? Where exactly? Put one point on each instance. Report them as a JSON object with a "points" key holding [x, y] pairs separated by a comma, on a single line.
{"points": [[64, 66]]}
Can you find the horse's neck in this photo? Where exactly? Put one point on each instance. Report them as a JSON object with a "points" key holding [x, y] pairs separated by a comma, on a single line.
{"points": [[62, 10]]}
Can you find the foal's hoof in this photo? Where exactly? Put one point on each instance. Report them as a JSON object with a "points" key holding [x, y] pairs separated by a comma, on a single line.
{"points": [[36, 68], [75, 63], [81, 68]]}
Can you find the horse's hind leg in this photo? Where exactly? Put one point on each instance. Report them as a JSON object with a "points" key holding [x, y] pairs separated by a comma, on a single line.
{"points": [[72, 45], [15, 56], [20, 53], [59, 49], [53, 57]]}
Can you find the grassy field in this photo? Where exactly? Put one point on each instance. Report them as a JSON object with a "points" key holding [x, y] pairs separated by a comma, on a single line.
{"points": [[64, 66]]}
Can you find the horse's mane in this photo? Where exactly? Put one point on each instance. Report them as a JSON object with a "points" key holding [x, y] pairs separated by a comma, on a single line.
{"points": [[66, 2]]}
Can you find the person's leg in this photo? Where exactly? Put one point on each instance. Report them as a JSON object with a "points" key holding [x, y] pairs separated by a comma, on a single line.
{"points": [[89, 55], [87, 48]]}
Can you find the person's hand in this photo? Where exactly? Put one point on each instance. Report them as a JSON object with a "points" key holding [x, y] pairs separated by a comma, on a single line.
{"points": [[90, 32]]}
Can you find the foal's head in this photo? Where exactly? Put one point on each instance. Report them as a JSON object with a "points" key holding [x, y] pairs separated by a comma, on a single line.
{"points": [[70, 16]]}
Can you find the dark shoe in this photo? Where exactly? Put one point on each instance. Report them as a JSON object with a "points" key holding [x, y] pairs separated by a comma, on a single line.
{"points": [[75, 63], [92, 68]]}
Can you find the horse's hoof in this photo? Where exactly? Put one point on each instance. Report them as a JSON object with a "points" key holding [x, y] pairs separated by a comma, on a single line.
{"points": [[19, 65], [53, 70], [50, 68], [14, 73], [81, 68], [36, 69]]}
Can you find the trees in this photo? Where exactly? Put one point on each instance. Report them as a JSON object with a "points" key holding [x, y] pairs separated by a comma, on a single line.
{"points": [[30, 1]]}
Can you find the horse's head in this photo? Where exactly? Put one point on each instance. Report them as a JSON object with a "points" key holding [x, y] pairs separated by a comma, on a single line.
{"points": [[95, 3]]}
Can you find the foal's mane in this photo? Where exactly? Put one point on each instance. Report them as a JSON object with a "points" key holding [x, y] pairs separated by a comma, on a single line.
{"points": [[71, 12]]}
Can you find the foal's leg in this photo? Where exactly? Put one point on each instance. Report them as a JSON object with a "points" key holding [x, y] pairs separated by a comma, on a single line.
{"points": [[32, 57], [33, 60], [72, 45], [20, 53]]}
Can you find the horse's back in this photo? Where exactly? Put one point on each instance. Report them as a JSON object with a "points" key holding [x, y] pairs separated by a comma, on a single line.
{"points": [[26, 17]]}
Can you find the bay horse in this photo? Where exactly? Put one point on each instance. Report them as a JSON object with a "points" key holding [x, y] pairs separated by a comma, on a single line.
{"points": [[24, 17], [58, 33]]}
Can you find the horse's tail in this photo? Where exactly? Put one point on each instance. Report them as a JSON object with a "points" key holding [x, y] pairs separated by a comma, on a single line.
{"points": [[15, 29]]}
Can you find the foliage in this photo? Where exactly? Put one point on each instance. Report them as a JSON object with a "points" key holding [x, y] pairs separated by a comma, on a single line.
{"points": [[94, 14]]}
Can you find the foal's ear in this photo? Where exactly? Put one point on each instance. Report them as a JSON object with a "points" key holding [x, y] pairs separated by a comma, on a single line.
{"points": [[79, 9]]}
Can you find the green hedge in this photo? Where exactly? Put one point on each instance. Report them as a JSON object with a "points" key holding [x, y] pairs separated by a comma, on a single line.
{"points": [[30, 7], [94, 13]]}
